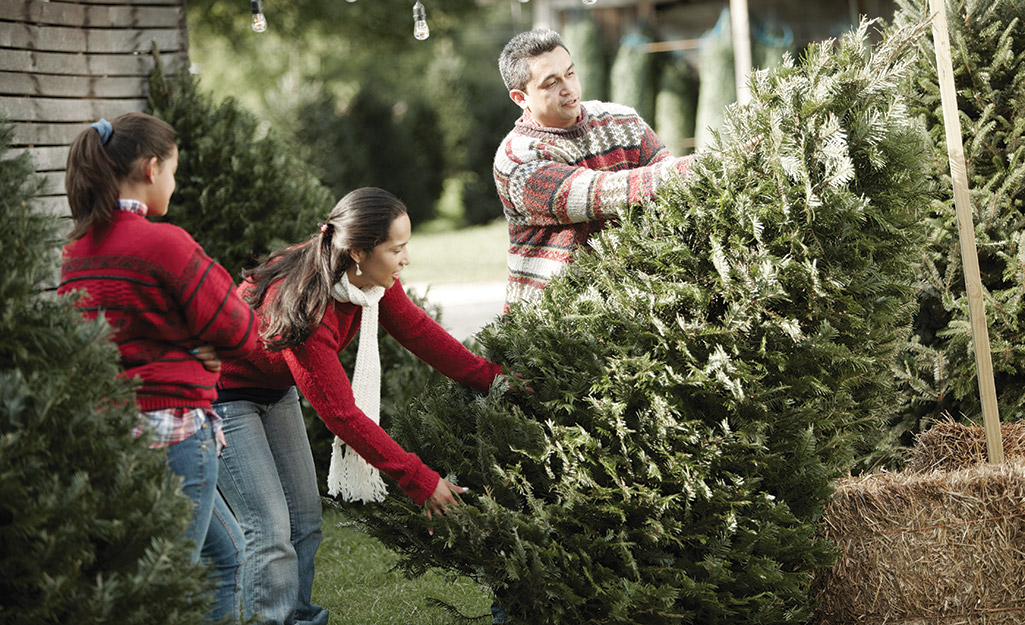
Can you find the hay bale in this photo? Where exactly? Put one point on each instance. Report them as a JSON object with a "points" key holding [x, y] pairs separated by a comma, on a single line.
{"points": [[938, 548], [949, 446]]}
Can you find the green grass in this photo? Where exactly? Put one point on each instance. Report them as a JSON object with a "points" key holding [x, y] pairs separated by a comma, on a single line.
{"points": [[357, 580], [474, 254]]}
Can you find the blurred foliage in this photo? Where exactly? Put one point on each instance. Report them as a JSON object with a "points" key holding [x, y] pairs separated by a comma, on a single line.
{"points": [[432, 109], [366, 145], [584, 39], [241, 193]]}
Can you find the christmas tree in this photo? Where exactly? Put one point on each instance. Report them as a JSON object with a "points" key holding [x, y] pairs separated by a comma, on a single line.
{"points": [[89, 517], [988, 49], [241, 192], [699, 377]]}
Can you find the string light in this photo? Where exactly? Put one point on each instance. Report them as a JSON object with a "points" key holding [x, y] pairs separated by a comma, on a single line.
{"points": [[420, 29], [259, 21]]}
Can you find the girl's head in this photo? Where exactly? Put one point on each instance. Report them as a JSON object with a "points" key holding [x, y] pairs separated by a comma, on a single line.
{"points": [[135, 156], [364, 237]]}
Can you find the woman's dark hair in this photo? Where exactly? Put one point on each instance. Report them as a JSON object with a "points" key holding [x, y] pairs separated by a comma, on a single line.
{"points": [[304, 275], [96, 169]]}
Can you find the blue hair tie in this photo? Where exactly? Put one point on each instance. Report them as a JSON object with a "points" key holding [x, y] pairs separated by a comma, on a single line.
{"points": [[105, 129]]}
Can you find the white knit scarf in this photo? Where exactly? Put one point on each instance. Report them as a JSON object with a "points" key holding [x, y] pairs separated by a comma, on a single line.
{"points": [[350, 474]]}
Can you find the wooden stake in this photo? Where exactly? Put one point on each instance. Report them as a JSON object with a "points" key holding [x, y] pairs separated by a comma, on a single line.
{"points": [[741, 29], [966, 231]]}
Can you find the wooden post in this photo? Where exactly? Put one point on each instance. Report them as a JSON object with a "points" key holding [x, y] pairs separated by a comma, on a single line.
{"points": [[741, 30], [966, 230]]}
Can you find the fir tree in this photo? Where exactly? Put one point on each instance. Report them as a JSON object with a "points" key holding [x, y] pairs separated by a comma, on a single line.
{"points": [[699, 376], [632, 75], [89, 517], [584, 38], [241, 192], [676, 106], [988, 47]]}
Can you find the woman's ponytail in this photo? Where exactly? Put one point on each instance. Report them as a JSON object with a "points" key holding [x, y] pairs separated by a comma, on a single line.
{"points": [[305, 275]]}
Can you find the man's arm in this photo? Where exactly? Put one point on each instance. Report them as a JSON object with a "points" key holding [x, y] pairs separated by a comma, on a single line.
{"points": [[538, 189]]}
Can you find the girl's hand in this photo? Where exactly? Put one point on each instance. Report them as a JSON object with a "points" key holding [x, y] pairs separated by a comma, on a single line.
{"points": [[207, 355], [443, 498]]}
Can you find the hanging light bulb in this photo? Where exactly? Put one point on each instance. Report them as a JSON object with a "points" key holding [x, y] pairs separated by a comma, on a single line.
{"points": [[350, 1], [589, 2], [420, 30], [259, 21], [524, 1]]}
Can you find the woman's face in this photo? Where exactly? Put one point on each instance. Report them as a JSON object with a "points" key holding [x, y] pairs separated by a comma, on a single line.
{"points": [[381, 267]]}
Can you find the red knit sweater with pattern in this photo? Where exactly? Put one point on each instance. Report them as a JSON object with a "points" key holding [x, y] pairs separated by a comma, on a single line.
{"points": [[163, 296], [314, 368], [559, 186]]}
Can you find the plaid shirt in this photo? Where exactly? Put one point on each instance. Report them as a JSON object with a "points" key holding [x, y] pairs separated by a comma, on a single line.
{"points": [[133, 206], [173, 425]]}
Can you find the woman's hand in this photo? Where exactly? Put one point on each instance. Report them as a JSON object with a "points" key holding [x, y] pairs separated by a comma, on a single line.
{"points": [[443, 498], [207, 355]]}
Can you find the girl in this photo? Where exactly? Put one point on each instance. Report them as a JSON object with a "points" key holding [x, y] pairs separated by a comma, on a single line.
{"points": [[174, 311], [311, 300]]}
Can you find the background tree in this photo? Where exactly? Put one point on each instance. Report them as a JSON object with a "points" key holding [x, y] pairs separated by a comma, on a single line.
{"points": [[938, 368], [89, 517], [241, 192], [632, 77], [699, 377], [676, 106], [324, 56], [364, 146], [586, 44]]}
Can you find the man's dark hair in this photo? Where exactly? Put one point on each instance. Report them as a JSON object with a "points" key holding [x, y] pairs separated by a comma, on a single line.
{"points": [[514, 61]]}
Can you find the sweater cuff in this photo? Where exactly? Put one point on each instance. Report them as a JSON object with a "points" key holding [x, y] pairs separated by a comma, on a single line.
{"points": [[420, 485]]}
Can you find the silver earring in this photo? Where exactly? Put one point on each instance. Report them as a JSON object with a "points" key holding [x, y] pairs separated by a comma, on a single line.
{"points": [[359, 272]]}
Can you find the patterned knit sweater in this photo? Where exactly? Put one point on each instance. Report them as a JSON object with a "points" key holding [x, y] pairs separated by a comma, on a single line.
{"points": [[163, 296], [314, 368], [559, 186]]}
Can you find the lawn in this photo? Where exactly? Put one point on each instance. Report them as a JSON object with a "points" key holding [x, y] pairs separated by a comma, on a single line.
{"points": [[357, 580], [466, 255]]}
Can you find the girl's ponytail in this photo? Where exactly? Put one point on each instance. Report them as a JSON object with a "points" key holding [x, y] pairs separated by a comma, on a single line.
{"points": [[102, 157], [91, 183]]}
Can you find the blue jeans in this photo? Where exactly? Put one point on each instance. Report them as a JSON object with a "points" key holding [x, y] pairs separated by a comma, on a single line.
{"points": [[217, 536], [269, 480]]}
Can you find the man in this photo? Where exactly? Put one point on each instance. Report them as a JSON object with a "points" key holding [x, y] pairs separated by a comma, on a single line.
{"points": [[567, 168]]}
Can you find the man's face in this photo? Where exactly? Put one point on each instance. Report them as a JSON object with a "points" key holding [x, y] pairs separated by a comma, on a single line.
{"points": [[552, 97]]}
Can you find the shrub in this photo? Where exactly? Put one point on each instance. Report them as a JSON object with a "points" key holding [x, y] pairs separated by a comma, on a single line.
{"points": [[699, 378], [364, 146], [241, 193], [938, 367]]}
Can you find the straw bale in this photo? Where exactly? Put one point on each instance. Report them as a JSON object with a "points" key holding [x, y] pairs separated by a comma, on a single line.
{"points": [[935, 548], [949, 446]]}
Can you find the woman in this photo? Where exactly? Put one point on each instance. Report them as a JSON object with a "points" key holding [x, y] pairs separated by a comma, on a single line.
{"points": [[311, 299]]}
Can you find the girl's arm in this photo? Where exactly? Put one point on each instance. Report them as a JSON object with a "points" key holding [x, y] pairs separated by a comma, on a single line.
{"points": [[216, 314]]}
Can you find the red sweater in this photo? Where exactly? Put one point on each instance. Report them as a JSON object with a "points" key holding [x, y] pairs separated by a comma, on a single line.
{"points": [[163, 296], [314, 368]]}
